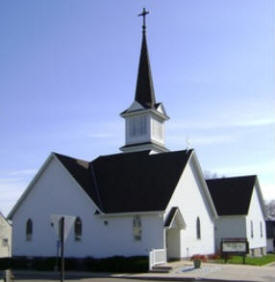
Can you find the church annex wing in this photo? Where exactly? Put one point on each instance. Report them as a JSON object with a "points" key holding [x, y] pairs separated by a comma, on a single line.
{"points": [[232, 195]]}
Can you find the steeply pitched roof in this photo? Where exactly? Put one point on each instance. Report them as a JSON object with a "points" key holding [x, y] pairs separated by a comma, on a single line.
{"points": [[231, 196], [145, 93], [175, 218], [129, 182]]}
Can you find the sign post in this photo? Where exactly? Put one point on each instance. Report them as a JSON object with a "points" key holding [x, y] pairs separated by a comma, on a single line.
{"points": [[62, 225], [62, 262]]}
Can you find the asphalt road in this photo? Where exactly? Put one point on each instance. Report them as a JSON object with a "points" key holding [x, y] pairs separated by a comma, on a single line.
{"points": [[85, 280], [96, 280]]}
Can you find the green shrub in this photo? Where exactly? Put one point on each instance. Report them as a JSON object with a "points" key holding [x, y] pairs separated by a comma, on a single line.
{"points": [[112, 264], [5, 263]]}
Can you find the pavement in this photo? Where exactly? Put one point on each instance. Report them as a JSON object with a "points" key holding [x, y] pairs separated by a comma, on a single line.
{"points": [[183, 271]]}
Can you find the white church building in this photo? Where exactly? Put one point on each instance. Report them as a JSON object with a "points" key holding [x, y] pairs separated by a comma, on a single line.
{"points": [[125, 204], [145, 198]]}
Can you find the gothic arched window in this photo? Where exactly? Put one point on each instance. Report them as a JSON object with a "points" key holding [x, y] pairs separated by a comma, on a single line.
{"points": [[198, 228], [251, 229], [29, 229], [261, 229], [77, 229], [137, 228]]}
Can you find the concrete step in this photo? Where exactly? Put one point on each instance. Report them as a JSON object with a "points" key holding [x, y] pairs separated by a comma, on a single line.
{"points": [[161, 268]]}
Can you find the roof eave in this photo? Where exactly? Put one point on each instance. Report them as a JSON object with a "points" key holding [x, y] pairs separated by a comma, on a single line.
{"points": [[119, 214]]}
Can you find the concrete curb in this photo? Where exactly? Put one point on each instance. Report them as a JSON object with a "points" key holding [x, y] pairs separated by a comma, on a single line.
{"points": [[169, 278]]}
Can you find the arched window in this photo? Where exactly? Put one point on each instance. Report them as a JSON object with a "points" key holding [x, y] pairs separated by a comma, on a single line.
{"points": [[77, 229], [251, 229], [137, 228], [60, 228], [29, 230], [198, 228], [261, 229]]}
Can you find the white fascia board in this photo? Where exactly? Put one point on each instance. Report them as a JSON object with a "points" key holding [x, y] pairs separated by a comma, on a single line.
{"points": [[144, 147], [77, 184], [233, 216], [145, 111], [195, 161], [177, 215], [122, 214], [30, 186], [260, 196]]}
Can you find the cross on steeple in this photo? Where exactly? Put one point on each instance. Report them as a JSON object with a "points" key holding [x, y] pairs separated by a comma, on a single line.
{"points": [[145, 117], [143, 14]]}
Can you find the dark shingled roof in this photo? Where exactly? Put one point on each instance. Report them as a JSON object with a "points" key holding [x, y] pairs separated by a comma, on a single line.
{"points": [[170, 216], [231, 196], [129, 182], [145, 93]]}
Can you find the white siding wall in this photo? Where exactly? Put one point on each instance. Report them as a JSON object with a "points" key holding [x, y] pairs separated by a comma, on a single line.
{"points": [[56, 192], [189, 197], [229, 227], [5, 238], [255, 215]]}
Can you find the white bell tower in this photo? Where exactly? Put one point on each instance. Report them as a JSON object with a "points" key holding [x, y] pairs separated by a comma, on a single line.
{"points": [[144, 119]]}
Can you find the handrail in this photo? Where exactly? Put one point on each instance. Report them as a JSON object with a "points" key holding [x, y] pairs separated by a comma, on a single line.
{"points": [[157, 256]]}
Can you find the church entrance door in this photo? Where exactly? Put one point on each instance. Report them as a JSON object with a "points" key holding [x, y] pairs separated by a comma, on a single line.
{"points": [[173, 243]]}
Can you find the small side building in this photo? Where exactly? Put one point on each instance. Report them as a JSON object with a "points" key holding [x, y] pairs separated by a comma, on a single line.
{"points": [[240, 206], [5, 237]]}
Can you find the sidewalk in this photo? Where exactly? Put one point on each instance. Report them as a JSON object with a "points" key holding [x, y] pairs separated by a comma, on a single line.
{"points": [[211, 271]]}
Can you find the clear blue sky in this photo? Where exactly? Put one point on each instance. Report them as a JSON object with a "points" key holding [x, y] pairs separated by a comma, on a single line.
{"points": [[68, 68]]}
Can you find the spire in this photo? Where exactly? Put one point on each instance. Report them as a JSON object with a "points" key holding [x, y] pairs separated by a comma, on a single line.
{"points": [[145, 94]]}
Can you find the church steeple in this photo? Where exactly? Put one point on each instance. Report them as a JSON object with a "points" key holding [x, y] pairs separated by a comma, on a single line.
{"points": [[144, 118], [145, 94]]}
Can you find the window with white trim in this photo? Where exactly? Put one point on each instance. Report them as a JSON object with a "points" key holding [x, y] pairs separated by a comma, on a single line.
{"points": [[261, 229], [251, 229], [29, 230], [198, 228], [138, 126], [157, 129], [77, 229], [137, 228]]}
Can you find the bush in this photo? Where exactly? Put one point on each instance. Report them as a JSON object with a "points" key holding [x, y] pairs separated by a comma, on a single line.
{"points": [[5, 263], [202, 258], [112, 264], [214, 256]]}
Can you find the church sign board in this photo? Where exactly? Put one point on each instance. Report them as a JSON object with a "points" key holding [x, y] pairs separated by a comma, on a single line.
{"points": [[234, 246]]}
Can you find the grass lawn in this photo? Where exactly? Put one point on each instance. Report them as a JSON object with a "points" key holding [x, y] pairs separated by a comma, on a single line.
{"points": [[249, 260]]}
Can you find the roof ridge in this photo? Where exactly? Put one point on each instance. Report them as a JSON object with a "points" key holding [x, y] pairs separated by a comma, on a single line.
{"points": [[232, 177], [66, 156], [96, 187]]}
